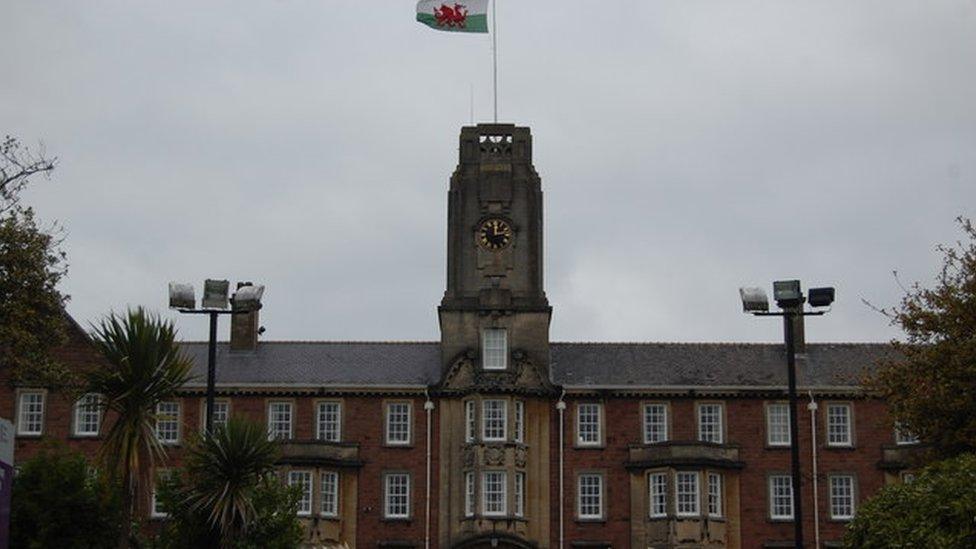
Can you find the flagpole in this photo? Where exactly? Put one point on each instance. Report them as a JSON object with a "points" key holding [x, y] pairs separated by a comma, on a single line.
{"points": [[494, 57]]}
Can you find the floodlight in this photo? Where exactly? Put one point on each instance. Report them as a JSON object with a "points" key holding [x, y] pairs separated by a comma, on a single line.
{"points": [[181, 296], [248, 297], [754, 300], [821, 297], [787, 293], [215, 294]]}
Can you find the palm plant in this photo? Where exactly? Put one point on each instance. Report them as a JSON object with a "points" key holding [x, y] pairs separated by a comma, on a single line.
{"points": [[145, 366], [223, 469]]}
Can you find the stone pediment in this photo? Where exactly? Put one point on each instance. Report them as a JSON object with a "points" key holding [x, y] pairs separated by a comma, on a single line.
{"points": [[521, 377]]}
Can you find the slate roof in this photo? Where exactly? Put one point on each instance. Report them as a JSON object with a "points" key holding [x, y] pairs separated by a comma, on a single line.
{"points": [[318, 363], [614, 365]]}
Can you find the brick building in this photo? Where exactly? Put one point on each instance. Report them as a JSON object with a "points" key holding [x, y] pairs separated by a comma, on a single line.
{"points": [[495, 436]]}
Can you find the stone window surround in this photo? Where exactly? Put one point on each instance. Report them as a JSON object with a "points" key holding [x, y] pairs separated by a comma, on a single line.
{"points": [[504, 350], [510, 433], [338, 493], [670, 493], [310, 491]]}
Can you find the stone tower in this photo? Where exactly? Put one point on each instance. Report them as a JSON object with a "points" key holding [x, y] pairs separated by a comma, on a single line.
{"points": [[495, 391]]}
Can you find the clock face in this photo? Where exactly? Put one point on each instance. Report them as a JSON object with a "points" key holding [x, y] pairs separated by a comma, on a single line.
{"points": [[495, 234]]}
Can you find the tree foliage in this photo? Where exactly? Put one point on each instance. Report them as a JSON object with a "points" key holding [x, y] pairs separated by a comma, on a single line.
{"points": [[271, 518], [59, 501], [31, 266], [224, 468], [144, 367], [930, 385], [937, 509]]}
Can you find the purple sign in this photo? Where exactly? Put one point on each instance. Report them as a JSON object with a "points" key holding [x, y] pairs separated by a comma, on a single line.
{"points": [[6, 479]]}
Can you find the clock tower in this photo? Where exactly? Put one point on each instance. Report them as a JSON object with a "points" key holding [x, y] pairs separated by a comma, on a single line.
{"points": [[495, 396], [494, 251]]}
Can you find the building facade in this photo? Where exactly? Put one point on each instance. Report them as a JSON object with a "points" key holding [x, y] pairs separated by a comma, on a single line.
{"points": [[496, 436]]}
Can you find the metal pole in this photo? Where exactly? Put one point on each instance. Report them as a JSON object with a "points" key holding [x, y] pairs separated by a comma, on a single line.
{"points": [[211, 370], [494, 57], [794, 430]]}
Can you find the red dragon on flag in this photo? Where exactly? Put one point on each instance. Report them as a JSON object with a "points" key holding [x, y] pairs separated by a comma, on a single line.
{"points": [[451, 17]]}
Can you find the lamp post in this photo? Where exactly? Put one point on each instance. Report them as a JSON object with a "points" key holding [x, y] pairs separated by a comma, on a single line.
{"points": [[246, 299], [789, 298]]}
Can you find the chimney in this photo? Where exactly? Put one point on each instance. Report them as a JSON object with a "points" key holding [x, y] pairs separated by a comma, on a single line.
{"points": [[244, 328]]}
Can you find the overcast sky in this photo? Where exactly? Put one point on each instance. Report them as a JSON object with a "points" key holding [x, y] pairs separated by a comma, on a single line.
{"points": [[686, 149]]}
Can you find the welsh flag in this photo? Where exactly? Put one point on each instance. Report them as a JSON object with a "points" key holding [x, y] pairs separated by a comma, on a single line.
{"points": [[454, 16]]}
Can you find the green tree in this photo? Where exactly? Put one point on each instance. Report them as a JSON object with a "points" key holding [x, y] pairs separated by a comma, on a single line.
{"points": [[937, 509], [930, 382], [31, 266], [59, 501], [229, 496], [144, 367]]}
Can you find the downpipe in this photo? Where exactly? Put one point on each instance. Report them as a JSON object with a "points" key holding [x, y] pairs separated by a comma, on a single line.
{"points": [[812, 407], [561, 407], [429, 408]]}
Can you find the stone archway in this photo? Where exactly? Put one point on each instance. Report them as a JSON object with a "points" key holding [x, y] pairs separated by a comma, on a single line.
{"points": [[495, 541]]}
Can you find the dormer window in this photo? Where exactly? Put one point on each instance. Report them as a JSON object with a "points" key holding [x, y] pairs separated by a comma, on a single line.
{"points": [[494, 349]]}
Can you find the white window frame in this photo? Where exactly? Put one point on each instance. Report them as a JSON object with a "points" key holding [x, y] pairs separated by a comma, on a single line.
{"points": [[218, 404], [328, 423], [30, 422], [847, 434], [494, 493], [304, 478], [657, 487], [519, 494], [87, 413], [399, 423], [655, 425], [470, 495], [583, 508], [173, 418], [276, 420], [593, 433], [494, 420], [783, 484], [519, 421], [712, 431], [685, 506], [470, 421], [494, 351], [715, 493], [329, 504], [389, 511], [778, 434], [836, 503]]}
